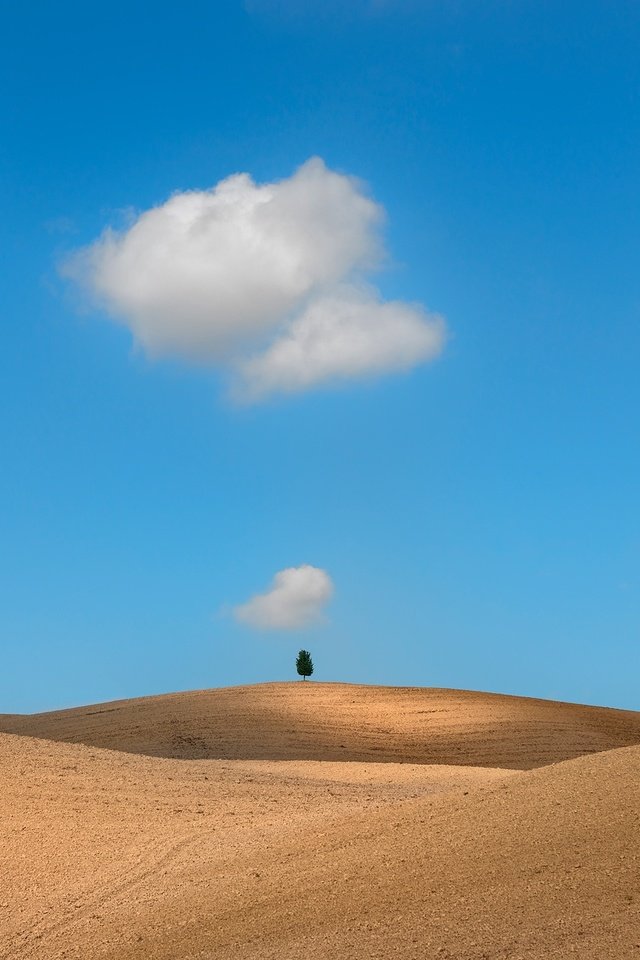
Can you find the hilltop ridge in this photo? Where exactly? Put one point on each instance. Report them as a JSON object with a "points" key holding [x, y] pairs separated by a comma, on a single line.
{"points": [[341, 722]]}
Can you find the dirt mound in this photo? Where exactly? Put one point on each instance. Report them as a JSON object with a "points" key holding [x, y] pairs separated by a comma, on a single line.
{"points": [[338, 722], [107, 855]]}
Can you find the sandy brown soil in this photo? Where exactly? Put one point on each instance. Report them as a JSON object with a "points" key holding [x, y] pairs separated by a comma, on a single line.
{"points": [[339, 721], [107, 855]]}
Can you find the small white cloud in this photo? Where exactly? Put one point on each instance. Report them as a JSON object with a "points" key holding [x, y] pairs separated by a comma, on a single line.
{"points": [[296, 599], [264, 279]]}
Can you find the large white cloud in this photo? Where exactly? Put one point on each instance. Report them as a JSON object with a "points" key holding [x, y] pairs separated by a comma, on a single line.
{"points": [[266, 279], [295, 599]]}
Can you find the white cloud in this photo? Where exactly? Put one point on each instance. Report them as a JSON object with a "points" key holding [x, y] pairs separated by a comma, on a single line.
{"points": [[264, 279], [349, 333], [295, 599]]}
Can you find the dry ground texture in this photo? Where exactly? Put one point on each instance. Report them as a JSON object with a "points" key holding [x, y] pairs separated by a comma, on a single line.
{"points": [[310, 820]]}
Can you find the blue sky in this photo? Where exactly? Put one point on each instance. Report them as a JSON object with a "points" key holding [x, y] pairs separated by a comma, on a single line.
{"points": [[477, 514]]}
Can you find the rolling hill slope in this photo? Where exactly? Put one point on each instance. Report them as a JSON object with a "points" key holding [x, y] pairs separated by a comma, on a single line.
{"points": [[112, 856], [338, 722]]}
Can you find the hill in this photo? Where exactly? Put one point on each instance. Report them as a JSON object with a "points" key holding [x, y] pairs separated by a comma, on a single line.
{"points": [[112, 856], [340, 722]]}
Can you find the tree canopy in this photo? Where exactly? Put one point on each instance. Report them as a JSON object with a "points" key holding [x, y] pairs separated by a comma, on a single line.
{"points": [[304, 664]]}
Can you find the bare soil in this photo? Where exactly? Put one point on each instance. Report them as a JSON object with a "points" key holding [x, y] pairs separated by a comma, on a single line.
{"points": [[500, 848], [341, 721]]}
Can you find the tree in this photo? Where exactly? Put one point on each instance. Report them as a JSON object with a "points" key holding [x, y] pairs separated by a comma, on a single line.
{"points": [[304, 664]]}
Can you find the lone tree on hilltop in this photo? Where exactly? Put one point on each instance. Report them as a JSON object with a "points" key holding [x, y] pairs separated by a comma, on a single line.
{"points": [[304, 664]]}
